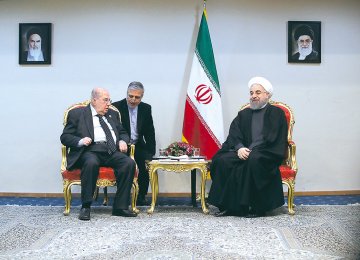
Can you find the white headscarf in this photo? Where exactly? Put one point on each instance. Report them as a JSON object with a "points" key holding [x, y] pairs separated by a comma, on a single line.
{"points": [[263, 82]]}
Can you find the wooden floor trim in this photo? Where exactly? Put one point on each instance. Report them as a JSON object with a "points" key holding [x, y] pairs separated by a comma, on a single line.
{"points": [[57, 195]]}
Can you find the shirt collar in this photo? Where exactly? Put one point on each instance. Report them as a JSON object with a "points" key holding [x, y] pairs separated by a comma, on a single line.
{"points": [[135, 109], [93, 111]]}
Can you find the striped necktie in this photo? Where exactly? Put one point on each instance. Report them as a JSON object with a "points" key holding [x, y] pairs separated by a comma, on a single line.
{"points": [[109, 139]]}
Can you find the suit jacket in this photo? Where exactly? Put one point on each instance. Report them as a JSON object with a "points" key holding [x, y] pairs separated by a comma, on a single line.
{"points": [[80, 125], [145, 125]]}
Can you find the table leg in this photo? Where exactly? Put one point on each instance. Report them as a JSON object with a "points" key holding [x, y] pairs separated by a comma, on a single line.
{"points": [[193, 188], [202, 193], [154, 188]]}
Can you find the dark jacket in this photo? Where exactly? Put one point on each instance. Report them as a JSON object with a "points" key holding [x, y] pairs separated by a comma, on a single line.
{"points": [[80, 125], [145, 125]]}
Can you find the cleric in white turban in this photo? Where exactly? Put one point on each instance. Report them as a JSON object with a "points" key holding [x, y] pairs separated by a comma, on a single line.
{"points": [[263, 82], [261, 91], [245, 172]]}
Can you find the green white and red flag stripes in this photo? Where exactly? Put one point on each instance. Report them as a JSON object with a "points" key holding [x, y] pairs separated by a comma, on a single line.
{"points": [[203, 125]]}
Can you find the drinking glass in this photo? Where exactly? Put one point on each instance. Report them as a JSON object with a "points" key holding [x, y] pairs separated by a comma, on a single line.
{"points": [[162, 152], [196, 152]]}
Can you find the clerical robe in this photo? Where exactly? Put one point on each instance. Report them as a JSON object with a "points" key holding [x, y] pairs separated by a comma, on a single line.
{"points": [[256, 182]]}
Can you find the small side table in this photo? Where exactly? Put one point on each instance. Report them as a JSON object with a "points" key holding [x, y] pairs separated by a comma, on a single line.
{"points": [[176, 166]]}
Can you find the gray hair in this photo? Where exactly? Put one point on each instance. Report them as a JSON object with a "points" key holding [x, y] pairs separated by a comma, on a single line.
{"points": [[136, 85], [97, 92]]}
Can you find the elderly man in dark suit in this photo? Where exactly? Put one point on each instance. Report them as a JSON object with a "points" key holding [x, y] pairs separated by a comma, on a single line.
{"points": [[96, 138], [137, 119]]}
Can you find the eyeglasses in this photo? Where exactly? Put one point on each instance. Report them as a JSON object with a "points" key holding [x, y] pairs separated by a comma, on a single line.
{"points": [[257, 92], [107, 100], [136, 97]]}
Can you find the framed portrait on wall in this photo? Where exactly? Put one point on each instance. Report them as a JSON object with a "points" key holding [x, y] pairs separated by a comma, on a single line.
{"points": [[304, 41], [35, 43]]}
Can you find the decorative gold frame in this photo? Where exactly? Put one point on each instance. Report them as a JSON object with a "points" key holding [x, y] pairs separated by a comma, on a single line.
{"points": [[292, 43], [45, 32], [101, 183]]}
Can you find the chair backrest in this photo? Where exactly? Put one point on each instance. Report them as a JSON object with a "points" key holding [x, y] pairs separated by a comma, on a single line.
{"points": [[64, 151], [288, 113]]}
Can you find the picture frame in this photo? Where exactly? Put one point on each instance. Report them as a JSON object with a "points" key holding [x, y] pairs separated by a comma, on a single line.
{"points": [[304, 41], [35, 43]]}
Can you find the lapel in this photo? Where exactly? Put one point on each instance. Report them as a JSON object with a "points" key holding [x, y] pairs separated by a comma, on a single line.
{"points": [[139, 117], [89, 121], [125, 119]]}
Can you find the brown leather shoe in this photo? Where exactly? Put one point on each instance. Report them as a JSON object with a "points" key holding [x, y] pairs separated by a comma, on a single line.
{"points": [[123, 213], [84, 214]]}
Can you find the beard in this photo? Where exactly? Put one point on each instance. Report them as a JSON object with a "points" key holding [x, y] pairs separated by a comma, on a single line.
{"points": [[305, 51], [36, 53], [257, 104]]}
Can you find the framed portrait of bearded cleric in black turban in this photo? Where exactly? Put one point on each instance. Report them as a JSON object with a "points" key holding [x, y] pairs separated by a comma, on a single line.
{"points": [[35, 43], [304, 42]]}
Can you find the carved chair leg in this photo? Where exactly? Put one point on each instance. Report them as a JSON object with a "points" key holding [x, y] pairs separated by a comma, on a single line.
{"points": [[96, 193], [291, 194], [106, 197], [67, 198], [134, 195], [290, 201]]}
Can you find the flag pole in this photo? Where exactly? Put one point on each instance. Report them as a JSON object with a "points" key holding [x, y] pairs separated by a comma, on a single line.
{"points": [[205, 9]]}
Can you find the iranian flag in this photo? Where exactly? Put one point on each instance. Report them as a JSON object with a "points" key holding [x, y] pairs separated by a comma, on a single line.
{"points": [[203, 121]]}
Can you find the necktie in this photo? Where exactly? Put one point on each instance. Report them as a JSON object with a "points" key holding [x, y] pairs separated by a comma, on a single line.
{"points": [[109, 139]]}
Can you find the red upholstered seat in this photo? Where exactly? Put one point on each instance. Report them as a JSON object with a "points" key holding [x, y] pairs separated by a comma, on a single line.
{"points": [[287, 172], [288, 169], [106, 175]]}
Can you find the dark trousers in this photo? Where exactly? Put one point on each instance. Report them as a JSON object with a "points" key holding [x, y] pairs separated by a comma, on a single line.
{"points": [[124, 169], [143, 179]]}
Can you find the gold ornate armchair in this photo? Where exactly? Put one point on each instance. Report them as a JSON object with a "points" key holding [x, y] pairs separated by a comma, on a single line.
{"points": [[106, 176], [288, 168]]}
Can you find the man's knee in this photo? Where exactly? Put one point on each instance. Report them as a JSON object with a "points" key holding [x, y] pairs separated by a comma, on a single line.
{"points": [[91, 163], [127, 163]]}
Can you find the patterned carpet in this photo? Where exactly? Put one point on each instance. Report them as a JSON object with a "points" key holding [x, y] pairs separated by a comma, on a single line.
{"points": [[182, 232]]}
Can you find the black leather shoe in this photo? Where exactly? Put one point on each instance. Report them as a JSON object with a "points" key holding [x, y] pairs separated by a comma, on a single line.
{"points": [[84, 214], [142, 201], [223, 213], [123, 213]]}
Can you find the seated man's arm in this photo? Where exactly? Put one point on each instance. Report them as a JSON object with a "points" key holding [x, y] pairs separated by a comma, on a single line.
{"points": [[70, 137]]}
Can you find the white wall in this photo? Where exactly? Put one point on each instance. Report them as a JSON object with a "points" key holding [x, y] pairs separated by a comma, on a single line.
{"points": [[110, 43]]}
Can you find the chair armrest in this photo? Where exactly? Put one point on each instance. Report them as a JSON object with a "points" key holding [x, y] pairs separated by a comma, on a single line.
{"points": [[63, 158], [291, 161], [132, 151], [132, 156]]}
